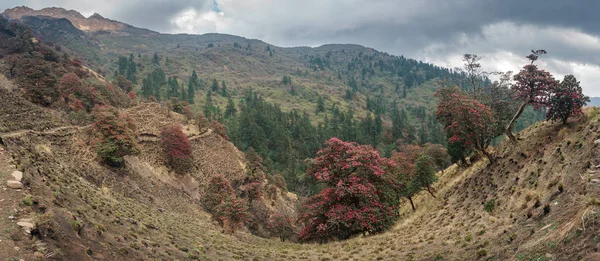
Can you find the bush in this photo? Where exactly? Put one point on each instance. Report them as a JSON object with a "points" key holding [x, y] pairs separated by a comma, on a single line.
{"points": [[280, 226], [357, 197], [117, 137], [219, 188], [490, 205], [176, 147], [220, 129], [232, 213]]}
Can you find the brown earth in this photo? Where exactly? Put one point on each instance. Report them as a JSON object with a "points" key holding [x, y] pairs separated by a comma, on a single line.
{"points": [[545, 188]]}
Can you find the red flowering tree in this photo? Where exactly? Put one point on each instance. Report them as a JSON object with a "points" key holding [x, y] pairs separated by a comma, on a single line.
{"points": [[177, 147], [567, 100], [358, 197], [218, 189], [402, 171], [117, 137], [232, 213], [255, 175], [469, 121], [533, 87], [220, 129], [281, 226]]}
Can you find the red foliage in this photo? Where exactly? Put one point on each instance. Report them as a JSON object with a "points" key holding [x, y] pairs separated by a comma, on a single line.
{"points": [[218, 189], [567, 100], [131, 95], [281, 226], [220, 129], [357, 199], [232, 213], [533, 85], [469, 121], [117, 136], [176, 146]]}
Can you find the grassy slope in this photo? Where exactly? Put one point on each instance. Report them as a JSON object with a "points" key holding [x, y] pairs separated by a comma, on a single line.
{"points": [[254, 68], [143, 212]]}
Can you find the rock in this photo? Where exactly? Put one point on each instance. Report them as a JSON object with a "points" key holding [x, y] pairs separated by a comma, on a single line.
{"points": [[14, 184], [26, 224], [11, 217], [17, 248], [17, 175], [597, 142], [595, 181]]}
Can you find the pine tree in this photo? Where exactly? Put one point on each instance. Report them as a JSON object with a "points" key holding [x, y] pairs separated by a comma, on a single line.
{"points": [[190, 92], [320, 105], [230, 110], [215, 85], [155, 59], [223, 89]]}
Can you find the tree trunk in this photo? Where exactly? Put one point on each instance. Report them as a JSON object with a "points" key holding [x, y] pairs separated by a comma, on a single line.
{"points": [[489, 156], [511, 125], [430, 192], [411, 203]]}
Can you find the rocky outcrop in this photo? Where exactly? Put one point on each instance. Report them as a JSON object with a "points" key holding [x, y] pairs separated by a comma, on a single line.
{"points": [[92, 24]]}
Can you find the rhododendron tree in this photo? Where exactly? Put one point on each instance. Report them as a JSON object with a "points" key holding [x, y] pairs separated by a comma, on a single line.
{"points": [[232, 213], [281, 226], [424, 173], [567, 100], [469, 121], [218, 189], [255, 175], [177, 148], [117, 134], [402, 171], [220, 129], [533, 87], [358, 197]]}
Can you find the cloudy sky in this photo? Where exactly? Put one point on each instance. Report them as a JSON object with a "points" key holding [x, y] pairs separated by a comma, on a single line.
{"points": [[436, 31]]}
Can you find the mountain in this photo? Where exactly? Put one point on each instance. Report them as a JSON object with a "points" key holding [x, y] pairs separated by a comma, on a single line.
{"points": [[301, 95], [93, 24], [594, 101], [63, 127]]}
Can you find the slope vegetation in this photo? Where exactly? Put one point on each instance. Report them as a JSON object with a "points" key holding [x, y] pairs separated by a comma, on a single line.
{"points": [[539, 200]]}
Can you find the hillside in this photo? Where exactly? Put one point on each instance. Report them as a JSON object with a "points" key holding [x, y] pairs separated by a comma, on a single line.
{"points": [[92, 171], [545, 191]]}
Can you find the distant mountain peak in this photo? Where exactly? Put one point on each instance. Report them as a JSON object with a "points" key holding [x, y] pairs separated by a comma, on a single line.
{"points": [[95, 23]]}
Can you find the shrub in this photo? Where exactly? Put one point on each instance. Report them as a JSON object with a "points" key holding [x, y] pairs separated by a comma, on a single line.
{"points": [[232, 213], [117, 137], [259, 218], [490, 205], [356, 199], [220, 129], [280, 226], [218, 189], [566, 100], [176, 147]]}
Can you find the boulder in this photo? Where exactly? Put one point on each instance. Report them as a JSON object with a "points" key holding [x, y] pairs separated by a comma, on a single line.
{"points": [[14, 184], [17, 175]]}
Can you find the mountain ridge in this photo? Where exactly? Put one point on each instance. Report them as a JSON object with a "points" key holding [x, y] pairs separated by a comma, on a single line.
{"points": [[93, 24]]}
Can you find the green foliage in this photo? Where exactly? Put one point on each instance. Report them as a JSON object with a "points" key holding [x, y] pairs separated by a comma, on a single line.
{"points": [[117, 138], [567, 100], [490, 205]]}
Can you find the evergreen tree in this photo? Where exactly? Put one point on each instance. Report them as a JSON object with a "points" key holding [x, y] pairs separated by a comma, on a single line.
{"points": [[320, 104], [230, 110], [223, 89], [155, 59], [215, 85]]}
